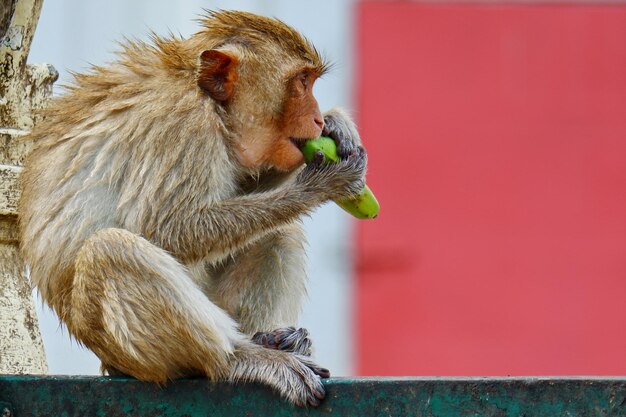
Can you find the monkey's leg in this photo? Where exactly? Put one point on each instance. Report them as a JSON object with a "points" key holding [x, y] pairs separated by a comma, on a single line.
{"points": [[137, 308], [263, 288]]}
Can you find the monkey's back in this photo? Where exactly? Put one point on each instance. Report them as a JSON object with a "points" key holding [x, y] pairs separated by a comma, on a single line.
{"points": [[124, 140], [65, 198]]}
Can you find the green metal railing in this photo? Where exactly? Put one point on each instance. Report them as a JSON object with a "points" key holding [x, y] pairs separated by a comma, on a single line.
{"points": [[60, 396]]}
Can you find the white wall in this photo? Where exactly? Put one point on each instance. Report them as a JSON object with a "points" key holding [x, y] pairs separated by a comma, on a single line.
{"points": [[75, 33]]}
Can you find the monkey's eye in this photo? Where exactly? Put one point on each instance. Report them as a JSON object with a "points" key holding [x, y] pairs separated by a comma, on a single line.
{"points": [[302, 82], [305, 79]]}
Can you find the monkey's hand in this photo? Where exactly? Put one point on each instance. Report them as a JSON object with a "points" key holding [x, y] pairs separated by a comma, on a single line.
{"points": [[340, 127], [346, 178], [287, 338], [340, 180]]}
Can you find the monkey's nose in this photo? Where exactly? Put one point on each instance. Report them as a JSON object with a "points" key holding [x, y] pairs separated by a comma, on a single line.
{"points": [[319, 122]]}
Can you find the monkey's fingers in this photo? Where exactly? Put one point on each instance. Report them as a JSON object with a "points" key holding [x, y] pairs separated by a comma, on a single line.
{"points": [[296, 341], [318, 159], [274, 339], [336, 128], [297, 344], [265, 339], [287, 338]]}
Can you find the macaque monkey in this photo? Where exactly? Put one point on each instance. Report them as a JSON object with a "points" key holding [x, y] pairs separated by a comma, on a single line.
{"points": [[160, 212]]}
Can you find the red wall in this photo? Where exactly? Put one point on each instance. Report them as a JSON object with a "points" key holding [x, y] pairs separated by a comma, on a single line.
{"points": [[497, 142]]}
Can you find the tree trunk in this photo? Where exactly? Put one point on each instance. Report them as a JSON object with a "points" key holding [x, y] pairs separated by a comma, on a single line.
{"points": [[23, 88]]}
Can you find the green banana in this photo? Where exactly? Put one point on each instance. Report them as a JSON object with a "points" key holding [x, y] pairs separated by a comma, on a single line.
{"points": [[364, 205]]}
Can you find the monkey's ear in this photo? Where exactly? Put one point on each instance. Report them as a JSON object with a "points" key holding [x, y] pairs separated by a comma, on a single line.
{"points": [[218, 73]]}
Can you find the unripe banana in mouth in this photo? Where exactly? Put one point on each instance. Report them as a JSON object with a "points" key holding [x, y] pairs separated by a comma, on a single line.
{"points": [[364, 205]]}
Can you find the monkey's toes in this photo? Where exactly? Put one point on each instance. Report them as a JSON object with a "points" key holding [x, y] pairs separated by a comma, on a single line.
{"points": [[310, 392], [315, 396], [322, 372], [315, 368]]}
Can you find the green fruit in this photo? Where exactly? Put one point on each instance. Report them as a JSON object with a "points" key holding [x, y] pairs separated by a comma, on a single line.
{"points": [[364, 205], [324, 144]]}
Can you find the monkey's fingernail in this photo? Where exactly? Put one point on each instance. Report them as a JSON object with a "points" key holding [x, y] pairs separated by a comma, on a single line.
{"points": [[324, 373]]}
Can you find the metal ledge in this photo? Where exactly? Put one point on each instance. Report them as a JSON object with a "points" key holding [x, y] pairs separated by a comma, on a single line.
{"points": [[39, 396]]}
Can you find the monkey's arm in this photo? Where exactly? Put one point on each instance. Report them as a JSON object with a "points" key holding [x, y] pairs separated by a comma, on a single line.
{"points": [[224, 227]]}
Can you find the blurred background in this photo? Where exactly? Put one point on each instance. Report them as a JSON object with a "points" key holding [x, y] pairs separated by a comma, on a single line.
{"points": [[497, 140]]}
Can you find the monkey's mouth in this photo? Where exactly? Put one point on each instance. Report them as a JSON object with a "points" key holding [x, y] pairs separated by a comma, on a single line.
{"points": [[299, 142]]}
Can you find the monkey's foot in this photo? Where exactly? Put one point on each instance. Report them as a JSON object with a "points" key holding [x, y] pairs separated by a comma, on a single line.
{"points": [[287, 338], [295, 377]]}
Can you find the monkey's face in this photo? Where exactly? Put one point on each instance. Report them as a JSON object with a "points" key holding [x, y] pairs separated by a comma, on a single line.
{"points": [[276, 122], [270, 102], [301, 119]]}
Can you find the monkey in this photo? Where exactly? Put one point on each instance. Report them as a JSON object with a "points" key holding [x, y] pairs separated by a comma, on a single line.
{"points": [[161, 205]]}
